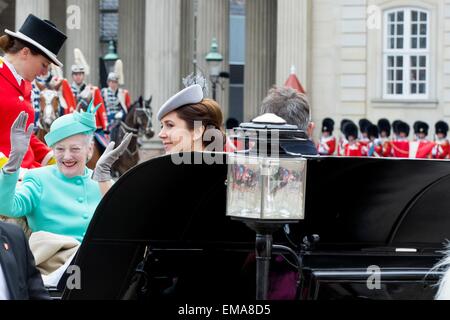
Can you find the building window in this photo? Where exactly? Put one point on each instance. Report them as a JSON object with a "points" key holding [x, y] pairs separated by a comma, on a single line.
{"points": [[406, 54], [109, 20]]}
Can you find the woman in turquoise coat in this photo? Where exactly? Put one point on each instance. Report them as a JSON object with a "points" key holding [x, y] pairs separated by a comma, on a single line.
{"points": [[59, 199]]}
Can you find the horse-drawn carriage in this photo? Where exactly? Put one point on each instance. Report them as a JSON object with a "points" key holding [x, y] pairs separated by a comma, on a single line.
{"points": [[373, 229]]}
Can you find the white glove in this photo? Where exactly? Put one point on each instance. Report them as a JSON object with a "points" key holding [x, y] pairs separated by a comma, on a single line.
{"points": [[20, 141], [119, 115]]}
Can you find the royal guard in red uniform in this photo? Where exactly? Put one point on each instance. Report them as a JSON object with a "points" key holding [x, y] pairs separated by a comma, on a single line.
{"points": [[84, 93], [442, 146], [374, 148], [384, 129], [327, 144], [421, 148], [39, 42], [363, 137], [342, 140], [353, 148], [400, 146]]}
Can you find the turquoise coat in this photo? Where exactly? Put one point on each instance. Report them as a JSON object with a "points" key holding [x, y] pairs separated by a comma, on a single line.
{"points": [[50, 201]]}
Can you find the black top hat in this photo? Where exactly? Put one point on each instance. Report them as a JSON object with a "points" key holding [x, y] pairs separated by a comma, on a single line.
{"points": [[42, 35], [441, 127], [327, 125], [350, 129], [384, 125]]}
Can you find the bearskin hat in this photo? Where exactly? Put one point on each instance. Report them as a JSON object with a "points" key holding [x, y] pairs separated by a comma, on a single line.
{"points": [[343, 123], [372, 131], [441, 127], [363, 125], [395, 126], [421, 127], [384, 125], [403, 127], [350, 129], [327, 125]]}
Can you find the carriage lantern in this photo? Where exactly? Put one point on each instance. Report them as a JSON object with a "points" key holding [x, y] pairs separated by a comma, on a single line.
{"points": [[266, 185]]}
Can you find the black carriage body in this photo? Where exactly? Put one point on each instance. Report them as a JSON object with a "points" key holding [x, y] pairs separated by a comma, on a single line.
{"points": [[369, 213]]}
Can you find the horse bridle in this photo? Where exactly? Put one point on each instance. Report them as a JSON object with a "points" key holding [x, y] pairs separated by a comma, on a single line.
{"points": [[135, 132]]}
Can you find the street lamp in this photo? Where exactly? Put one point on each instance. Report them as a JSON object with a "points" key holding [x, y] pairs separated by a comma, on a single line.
{"points": [[109, 60], [214, 60]]}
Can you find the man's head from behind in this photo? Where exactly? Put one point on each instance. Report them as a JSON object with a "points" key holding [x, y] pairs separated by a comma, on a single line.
{"points": [[290, 105]]}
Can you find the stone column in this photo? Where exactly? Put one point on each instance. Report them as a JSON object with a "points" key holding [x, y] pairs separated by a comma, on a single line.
{"points": [[162, 51], [7, 15], [214, 22], [85, 36], [131, 45], [260, 54], [293, 40], [187, 37], [40, 8]]}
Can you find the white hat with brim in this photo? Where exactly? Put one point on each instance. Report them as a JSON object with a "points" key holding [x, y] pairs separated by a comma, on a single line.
{"points": [[190, 95], [50, 55]]}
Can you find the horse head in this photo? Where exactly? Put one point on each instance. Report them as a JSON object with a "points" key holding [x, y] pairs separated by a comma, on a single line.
{"points": [[49, 105], [142, 114]]}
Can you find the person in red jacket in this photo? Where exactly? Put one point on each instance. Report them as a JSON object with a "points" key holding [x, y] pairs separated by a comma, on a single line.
{"points": [[384, 128], [442, 146], [327, 144], [400, 146], [421, 148], [28, 54], [353, 148]]}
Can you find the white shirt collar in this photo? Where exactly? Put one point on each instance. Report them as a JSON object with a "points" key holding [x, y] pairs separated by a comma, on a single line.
{"points": [[13, 71]]}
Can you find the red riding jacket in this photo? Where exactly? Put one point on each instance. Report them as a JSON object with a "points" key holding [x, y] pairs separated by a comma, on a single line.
{"points": [[13, 100]]}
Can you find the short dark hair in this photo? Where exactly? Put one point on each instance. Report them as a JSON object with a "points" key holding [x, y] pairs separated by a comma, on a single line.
{"points": [[288, 104]]}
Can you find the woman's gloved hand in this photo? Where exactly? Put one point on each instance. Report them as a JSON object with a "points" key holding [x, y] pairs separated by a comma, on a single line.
{"points": [[102, 172], [20, 141]]}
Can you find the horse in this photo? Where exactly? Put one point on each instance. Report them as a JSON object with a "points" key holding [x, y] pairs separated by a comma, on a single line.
{"points": [[138, 121], [49, 111]]}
